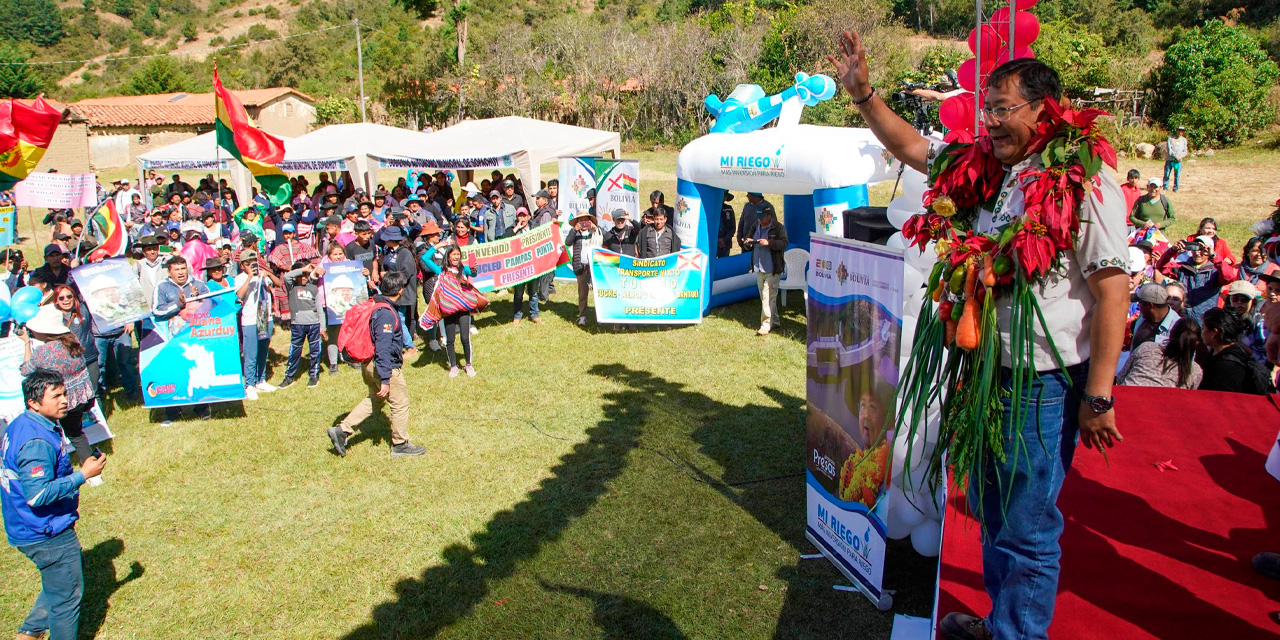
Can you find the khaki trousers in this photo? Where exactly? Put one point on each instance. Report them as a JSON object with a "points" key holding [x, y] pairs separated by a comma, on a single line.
{"points": [[768, 285], [584, 292], [397, 401]]}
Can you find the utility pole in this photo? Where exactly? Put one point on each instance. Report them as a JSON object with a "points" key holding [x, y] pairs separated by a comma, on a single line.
{"points": [[360, 67]]}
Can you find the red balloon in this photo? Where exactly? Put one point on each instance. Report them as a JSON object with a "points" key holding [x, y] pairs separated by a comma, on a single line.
{"points": [[956, 112], [1026, 27], [965, 73], [1024, 52], [1023, 4], [990, 41]]}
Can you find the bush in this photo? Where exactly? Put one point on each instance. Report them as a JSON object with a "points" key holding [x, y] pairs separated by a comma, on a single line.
{"points": [[1080, 57], [1214, 81], [16, 80], [160, 75], [271, 12], [259, 32], [189, 32], [337, 110]]}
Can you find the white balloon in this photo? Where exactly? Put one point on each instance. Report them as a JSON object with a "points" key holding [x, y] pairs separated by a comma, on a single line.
{"points": [[901, 210], [908, 338], [896, 528], [900, 461], [912, 302], [913, 186], [933, 503], [923, 261], [906, 512], [926, 538], [896, 241], [912, 280]]}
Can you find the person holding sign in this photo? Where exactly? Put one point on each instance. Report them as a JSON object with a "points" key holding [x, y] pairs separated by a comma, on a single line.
{"points": [[581, 240], [172, 295], [657, 239], [253, 288]]}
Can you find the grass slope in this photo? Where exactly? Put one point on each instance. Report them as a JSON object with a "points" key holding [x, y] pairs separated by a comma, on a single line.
{"points": [[556, 500]]}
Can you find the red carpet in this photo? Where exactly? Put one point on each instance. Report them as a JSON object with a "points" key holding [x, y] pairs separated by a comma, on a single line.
{"points": [[1150, 553]]}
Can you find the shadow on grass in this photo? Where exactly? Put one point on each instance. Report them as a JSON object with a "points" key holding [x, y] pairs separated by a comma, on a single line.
{"points": [[620, 617], [447, 593], [100, 583], [747, 313]]}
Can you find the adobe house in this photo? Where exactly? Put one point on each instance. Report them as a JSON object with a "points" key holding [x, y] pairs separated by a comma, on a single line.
{"points": [[106, 133]]}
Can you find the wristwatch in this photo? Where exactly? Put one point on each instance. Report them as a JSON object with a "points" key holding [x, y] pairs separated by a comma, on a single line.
{"points": [[1099, 404]]}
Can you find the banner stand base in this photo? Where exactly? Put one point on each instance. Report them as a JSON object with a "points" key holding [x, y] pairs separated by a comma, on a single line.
{"points": [[884, 603]]}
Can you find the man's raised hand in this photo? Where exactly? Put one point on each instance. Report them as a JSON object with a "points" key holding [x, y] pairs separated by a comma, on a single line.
{"points": [[851, 65]]}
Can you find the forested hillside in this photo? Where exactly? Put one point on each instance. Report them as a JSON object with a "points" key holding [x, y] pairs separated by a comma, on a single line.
{"points": [[640, 67]]}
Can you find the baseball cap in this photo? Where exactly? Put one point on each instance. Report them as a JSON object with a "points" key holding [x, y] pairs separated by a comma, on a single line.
{"points": [[52, 249], [755, 193], [248, 255], [1153, 293], [1207, 241], [288, 228], [542, 194], [1242, 288], [1154, 182]]}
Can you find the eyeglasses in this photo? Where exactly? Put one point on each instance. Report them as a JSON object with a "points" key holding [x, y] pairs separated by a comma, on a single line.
{"points": [[1002, 113], [66, 298]]}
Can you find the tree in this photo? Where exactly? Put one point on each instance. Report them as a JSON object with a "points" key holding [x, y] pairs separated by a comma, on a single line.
{"points": [[1214, 81], [16, 80], [160, 75], [123, 8], [336, 110], [1078, 54], [36, 21], [189, 32], [423, 8]]}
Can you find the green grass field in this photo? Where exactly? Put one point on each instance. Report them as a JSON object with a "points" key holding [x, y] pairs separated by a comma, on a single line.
{"points": [[557, 500]]}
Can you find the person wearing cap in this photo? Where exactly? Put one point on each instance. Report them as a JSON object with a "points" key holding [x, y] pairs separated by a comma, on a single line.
{"points": [[173, 296], [767, 241], [498, 217], [55, 264], [329, 236], [1155, 318], [728, 225], [1152, 210], [1203, 275], [659, 239], [1244, 298], [621, 237], [397, 257], [530, 287], [1176, 148], [150, 269], [747, 221], [544, 215], [509, 195], [16, 264], [254, 290], [40, 502], [582, 239], [1221, 250], [153, 225]]}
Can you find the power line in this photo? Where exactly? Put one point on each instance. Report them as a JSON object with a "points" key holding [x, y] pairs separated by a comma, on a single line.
{"points": [[170, 53]]}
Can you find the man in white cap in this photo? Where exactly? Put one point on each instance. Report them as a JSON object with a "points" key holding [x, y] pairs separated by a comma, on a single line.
{"points": [[123, 196], [1176, 149], [1152, 210]]}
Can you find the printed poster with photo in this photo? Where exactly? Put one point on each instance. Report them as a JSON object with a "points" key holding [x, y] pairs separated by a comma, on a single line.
{"points": [[112, 292], [344, 287], [854, 340], [194, 357], [617, 187]]}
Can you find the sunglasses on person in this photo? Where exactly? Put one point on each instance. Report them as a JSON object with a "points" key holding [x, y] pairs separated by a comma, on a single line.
{"points": [[66, 298]]}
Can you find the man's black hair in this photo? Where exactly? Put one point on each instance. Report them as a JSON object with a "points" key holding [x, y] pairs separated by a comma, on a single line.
{"points": [[1036, 80], [175, 260], [1133, 173], [40, 277], [393, 283], [298, 264], [35, 385], [554, 182], [362, 225], [659, 196]]}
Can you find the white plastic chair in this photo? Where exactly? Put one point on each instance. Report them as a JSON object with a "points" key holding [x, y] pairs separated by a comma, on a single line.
{"points": [[795, 276]]}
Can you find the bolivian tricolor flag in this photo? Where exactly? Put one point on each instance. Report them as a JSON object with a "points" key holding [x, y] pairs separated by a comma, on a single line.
{"points": [[259, 151], [25, 133], [109, 229]]}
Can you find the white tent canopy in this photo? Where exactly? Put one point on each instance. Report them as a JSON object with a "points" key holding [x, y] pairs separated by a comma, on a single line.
{"points": [[200, 153], [509, 143], [347, 147]]}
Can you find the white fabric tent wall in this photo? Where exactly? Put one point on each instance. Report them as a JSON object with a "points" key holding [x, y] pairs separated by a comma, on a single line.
{"points": [[202, 154], [347, 147], [509, 143]]}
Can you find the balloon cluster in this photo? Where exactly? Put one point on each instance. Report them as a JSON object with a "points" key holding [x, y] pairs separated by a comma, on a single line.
{"points": [[23, 306], [991, 47], [915, 501]]}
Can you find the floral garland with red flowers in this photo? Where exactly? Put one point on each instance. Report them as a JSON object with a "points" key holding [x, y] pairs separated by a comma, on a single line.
{"points": [[957, 354]]}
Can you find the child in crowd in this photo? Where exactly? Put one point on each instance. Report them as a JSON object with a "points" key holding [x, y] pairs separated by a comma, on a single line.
{"points": [[336, 254], [253, 288], [307, 313]]}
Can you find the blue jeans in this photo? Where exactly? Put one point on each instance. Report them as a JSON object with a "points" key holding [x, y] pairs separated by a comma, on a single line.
{"points": [[530, 287], [1020, 550], [406, 324], [126, 362], [298, 333], [254, 351], [1174, 166], [57, 608]]}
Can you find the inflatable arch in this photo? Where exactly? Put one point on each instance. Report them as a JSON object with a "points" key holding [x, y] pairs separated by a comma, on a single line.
{"points": [[823, 170]]}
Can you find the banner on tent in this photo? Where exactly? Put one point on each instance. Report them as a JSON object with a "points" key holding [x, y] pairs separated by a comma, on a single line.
{"points": [[148, 165], [334, 164], [854, 336], [194, 357], [344, 287], [496, 162], [510, 261], [7, 217], [617, 187], [113, 293], [663, 290], [57, 190]]}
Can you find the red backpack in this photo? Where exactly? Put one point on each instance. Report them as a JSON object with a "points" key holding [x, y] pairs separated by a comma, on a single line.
{"points": [[355, 337]]}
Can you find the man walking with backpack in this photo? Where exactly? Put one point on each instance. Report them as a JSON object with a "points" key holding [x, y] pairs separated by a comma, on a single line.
{"points": [[1152, 209], [371, 334]]}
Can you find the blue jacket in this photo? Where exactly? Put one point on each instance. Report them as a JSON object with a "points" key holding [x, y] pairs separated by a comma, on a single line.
{"points": [[39, 490], [388, 345], [167, 296]]}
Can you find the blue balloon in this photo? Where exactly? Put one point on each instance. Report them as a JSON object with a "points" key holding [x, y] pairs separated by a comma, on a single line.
{"points": [[26, 294], [4, 311], [23, 311]]}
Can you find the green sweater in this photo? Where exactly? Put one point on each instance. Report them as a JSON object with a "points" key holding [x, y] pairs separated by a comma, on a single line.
{"points": [[1159, 211]]}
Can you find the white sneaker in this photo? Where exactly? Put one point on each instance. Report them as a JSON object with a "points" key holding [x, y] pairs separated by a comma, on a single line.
{"points": [[266, 387], [166, 423], [250, 393], [474, 331]]}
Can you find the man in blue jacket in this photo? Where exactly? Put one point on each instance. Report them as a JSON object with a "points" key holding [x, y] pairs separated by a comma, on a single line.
{"points": [[40, 494], [383, 374]]}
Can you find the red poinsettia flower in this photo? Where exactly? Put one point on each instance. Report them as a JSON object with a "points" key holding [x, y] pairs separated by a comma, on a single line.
{"points": [[973, 177], [924, 227], [1032, 247], [972, 244]]}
